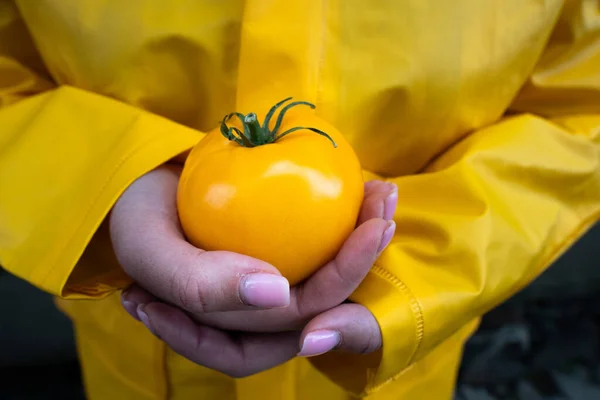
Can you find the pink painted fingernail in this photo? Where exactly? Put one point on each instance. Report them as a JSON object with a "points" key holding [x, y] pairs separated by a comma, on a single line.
{"points": [[319, 342], [265, 290], [390, 185], [389, 205], [144, 318], [387, 236], [129, 306]]}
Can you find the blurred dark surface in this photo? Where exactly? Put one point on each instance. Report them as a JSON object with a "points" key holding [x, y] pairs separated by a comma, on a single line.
{"points": [[542, 344], [37, 352]]}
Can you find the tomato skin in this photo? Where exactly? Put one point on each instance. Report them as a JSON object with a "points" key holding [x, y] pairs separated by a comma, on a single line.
{"points": [[291, 203]]}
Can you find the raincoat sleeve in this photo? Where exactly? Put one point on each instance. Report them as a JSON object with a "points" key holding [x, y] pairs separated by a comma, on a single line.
{"points": [[65, 156], [487, 216]]}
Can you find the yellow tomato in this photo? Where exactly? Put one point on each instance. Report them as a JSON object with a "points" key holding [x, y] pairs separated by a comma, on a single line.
{"points": [[287, 192]]}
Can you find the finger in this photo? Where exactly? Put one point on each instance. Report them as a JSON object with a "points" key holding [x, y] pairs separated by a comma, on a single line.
{"points": [[133, 296], [380, 201], [349, 327], [329, 286], [333, 283], [148, 242], [309, 299], [235, 355]]}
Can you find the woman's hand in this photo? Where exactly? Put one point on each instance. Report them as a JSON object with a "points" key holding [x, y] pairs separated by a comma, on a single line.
{"points": [[348, 327], [151, 248]]}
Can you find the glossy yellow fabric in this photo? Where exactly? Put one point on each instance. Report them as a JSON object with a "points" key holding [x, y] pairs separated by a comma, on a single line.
{"points": [[485, 113]]}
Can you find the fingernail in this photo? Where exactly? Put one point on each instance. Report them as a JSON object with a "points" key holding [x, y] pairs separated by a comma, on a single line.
{"points": [[265, 290], [144, 318], [128, 305], [386, 238], [390, 185], [319, 342], [389, 205]]}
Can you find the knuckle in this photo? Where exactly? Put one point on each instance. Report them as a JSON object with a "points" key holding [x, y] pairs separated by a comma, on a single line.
{"points": [[365, 348], [241, 369], [346, 278], [343, 273], [370, 345], [196, 345], [188, 292], [302, 309]]}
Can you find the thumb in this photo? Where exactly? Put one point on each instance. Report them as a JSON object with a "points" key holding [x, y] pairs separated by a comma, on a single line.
{"points": [[149, 244]]}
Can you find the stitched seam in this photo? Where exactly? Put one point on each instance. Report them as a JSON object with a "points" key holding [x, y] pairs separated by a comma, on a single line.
{"points": [[578, 231], [414, 304]]}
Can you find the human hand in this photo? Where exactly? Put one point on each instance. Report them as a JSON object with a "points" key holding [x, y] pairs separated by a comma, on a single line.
{"points": [[349, 327], [328, 287], [150, 246]]}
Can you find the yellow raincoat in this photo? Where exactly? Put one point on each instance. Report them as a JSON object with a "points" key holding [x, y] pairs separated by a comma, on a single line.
{"points": [[485, 113]]}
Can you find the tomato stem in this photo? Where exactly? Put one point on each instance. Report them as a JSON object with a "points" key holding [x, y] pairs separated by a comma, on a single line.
{"points": [[272, 112], [256, 135]]}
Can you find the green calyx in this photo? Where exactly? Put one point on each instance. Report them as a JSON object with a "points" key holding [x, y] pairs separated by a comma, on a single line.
{"points": [[256, 135]]}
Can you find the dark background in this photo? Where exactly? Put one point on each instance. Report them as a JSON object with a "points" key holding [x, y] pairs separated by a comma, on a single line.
{"points": [[544, 343]]}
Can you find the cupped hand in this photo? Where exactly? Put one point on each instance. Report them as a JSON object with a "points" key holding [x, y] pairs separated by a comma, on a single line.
{"points": [[150, 246], [174, 314]]}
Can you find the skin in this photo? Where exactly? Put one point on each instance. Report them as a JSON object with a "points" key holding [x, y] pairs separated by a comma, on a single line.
{"points": [[182, 293]]}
